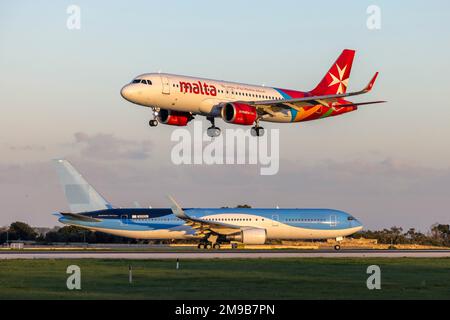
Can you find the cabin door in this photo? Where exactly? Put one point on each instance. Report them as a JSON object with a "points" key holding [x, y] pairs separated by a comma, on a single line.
{"points": [[124, 219], [165, 85], [333, 220]]}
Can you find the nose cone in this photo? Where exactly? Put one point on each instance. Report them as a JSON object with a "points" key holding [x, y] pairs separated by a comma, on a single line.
{"points": [[358, 224], [125, 92]]}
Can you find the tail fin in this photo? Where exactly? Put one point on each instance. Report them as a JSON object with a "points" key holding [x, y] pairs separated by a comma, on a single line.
{"points": [[336, 79], [79, 194]]}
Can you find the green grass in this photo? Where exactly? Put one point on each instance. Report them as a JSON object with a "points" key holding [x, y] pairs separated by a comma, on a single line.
{"points": [[311, 278]]}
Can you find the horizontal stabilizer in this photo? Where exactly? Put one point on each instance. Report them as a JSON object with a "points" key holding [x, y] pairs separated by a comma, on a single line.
{"points": [[79, 217], [360, 103]]}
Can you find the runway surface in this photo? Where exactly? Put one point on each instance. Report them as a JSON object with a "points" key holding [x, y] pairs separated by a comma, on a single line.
{"points": [[225, 254]]}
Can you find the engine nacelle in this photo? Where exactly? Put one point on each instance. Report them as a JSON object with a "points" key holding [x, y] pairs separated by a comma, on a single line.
{"points": [[250, 236], [239, 113], [174, 118]]}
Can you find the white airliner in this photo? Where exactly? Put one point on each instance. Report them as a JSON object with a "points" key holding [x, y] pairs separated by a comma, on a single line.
{"points": [[175, 99], [209, 226]]}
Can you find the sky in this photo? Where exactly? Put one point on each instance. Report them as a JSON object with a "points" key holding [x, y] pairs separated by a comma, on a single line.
{"points": [[386, 164]]}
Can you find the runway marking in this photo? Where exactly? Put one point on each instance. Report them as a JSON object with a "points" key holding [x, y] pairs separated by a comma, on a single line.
{"points": [[223, 255]]}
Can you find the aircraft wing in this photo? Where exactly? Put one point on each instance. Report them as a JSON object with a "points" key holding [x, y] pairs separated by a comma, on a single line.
{"points": [[325, 100], [202, 226]]}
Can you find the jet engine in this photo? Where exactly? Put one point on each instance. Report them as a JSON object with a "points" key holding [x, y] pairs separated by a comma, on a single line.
{"points": [[239, 113], [250, 236], [174, 118]]}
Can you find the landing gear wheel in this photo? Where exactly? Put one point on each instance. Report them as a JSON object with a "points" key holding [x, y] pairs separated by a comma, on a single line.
{"points": [[257, 131], [154, 122], [208, 246], [213, 132], [337, 247], [201, 246], [216, 246]]}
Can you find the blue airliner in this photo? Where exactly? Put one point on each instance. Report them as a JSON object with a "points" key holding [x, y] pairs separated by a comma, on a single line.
{"points": [[211, 227]]}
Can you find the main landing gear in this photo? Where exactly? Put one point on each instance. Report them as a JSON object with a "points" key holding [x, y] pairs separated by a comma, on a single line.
{"points": [[213, 131], [257, 131], [154, 122], [208, 245]]}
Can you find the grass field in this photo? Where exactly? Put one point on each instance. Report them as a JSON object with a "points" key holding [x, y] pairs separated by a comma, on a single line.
{"points": [[312, 278]]}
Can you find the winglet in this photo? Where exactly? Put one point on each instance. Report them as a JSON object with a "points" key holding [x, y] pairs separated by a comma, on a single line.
{"points": [[176, 209], [371, 83]]}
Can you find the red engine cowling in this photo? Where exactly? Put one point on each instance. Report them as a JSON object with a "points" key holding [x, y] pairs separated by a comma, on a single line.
{"points": [[174, 118], [239, 113]]}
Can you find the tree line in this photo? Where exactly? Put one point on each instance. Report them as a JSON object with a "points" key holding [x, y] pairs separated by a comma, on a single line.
{"points": [[20, 231], [439, 235]]}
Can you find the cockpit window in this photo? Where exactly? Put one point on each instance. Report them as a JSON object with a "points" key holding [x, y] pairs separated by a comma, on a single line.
{"points": [[141, 81], [350, 218]]}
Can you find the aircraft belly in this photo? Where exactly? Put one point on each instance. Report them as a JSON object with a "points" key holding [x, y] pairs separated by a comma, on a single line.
{"points": [[280, 117], [297, 233], [146, 234]]}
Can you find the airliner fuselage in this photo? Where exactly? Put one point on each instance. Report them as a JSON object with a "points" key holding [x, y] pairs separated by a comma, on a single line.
{"points": [[176, 99], [206, 97], [286, 224]]}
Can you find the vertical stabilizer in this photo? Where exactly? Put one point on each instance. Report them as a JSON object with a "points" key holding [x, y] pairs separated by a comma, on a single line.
{"points": [[336, 79], [80, 196]]}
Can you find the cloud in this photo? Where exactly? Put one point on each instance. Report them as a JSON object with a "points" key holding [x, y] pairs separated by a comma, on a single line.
{"points": [[108, 147], [27, 148]]}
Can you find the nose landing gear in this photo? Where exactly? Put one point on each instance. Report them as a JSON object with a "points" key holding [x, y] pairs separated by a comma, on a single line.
{"points": [[154, 122], [213, 131], [337, 247]]}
